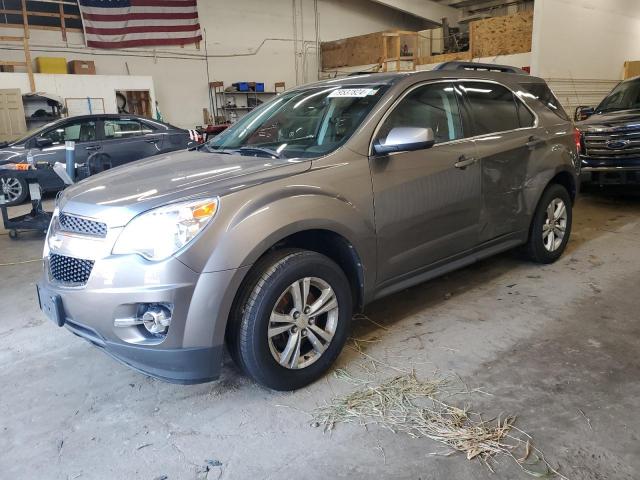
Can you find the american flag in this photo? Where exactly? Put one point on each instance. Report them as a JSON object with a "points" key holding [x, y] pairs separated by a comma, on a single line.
{"points": [[139, 23]]}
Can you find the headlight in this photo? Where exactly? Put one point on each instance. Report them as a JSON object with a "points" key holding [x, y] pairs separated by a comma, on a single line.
{"points": [[54, 220], [161, 232]]}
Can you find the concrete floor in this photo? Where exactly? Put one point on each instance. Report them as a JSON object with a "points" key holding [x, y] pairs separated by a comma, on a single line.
{"points": [[547, 341]]}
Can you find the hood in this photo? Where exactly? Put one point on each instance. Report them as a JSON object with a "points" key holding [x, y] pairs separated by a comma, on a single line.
{"points": [[12, 154], [117, 195], [616, 119]]}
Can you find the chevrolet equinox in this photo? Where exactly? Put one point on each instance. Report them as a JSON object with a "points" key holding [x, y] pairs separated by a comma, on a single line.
{"points": [[268, 237]]}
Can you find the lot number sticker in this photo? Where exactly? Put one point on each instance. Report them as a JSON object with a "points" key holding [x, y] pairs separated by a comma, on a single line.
{"points": [[352, 92]]}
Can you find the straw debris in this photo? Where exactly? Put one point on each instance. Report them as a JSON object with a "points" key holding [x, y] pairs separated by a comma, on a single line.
{"points": [[404, 404]]}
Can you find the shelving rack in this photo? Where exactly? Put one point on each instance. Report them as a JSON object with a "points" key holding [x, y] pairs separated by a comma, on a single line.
{"points": [[227, 105]]}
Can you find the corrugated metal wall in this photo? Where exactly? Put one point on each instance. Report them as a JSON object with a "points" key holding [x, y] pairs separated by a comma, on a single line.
{"points": [[573, 92]]}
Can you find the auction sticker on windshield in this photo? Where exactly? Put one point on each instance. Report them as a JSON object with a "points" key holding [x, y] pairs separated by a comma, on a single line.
{"points": [[353, 92]]}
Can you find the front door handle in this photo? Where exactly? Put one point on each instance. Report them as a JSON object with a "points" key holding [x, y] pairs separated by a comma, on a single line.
{"points": [[464, 161], [534, 141], [92, 147]]}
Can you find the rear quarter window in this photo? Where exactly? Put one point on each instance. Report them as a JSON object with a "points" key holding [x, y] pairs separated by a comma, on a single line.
{"points": [[527, 119], [544, 95]]}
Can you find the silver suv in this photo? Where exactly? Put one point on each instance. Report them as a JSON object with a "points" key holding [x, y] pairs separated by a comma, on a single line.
{"points": [[330, 196]]}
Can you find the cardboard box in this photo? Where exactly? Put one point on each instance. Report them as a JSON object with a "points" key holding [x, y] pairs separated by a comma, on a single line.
{"points": [[631, 69], [82, 67], [51, 65]]}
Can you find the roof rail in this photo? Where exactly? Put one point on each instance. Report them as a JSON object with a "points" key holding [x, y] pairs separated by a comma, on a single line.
{"points": [[483, 67], [355, 74]]}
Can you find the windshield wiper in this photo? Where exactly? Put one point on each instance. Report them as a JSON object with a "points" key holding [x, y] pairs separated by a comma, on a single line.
{"points": [[268, 151], [241, 150], [210, 149]]}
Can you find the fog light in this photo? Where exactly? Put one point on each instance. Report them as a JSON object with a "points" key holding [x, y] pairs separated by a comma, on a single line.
{"points": [[156, 319]]}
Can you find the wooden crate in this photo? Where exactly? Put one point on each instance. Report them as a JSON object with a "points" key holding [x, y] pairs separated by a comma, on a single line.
{"points": [[501, 35], [504, 35], [373, 48], [631, 69], [446, 57], [352, 51]]}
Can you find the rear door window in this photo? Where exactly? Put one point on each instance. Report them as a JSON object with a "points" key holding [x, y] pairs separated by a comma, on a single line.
{"points": [[493, 107], [125, 128]]}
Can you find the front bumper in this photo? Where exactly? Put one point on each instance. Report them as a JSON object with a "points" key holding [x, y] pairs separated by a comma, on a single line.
{"points": [[610, 176], [177, 365], [191, 351], [610, 171]]}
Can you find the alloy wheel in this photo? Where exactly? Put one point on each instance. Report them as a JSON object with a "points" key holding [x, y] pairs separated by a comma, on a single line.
{"points": [[11, 188], [555, 225], [303, 323]]}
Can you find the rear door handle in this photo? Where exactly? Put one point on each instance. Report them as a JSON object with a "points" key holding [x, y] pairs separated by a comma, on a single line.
{"points": [[534, 141], [152, 140], [464, 161], [92, 147]]}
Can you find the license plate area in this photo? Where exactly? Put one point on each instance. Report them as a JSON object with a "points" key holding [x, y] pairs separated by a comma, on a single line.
{"points": [[51, 305]]}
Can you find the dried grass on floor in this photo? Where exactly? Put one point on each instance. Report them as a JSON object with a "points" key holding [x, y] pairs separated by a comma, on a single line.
{"points": [[405, 404]]}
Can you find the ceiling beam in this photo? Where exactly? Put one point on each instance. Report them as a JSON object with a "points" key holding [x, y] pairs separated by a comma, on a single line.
{"points": [[429, 10]]}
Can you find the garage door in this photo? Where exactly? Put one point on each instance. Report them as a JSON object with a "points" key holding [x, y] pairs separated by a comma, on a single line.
{"points": [[576, 92]]}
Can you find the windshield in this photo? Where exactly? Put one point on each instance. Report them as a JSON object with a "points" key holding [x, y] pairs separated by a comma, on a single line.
{"points": [[625, 96], [31, 133], [301, 123]]}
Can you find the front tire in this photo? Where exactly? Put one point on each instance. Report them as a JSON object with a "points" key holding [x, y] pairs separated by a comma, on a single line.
{"points": [[15, 190], [551, 225], [292, 319]]}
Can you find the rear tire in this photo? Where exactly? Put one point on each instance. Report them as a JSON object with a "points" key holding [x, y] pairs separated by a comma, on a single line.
{"points": [[291, 319], [551, 225]]}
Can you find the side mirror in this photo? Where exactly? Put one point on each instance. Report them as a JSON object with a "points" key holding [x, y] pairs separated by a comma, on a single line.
{"points": [[582, 113], [42, 142], [405, 139]]}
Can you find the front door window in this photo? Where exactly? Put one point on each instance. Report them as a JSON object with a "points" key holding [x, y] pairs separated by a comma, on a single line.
{"points": [[79, 132], [430, 106]]}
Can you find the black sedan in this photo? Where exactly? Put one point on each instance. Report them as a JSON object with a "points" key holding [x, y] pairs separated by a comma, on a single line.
{"points": [[102, 142]]}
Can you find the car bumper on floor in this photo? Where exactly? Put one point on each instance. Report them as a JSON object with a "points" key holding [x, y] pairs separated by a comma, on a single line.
{"points": [[191, 349]]}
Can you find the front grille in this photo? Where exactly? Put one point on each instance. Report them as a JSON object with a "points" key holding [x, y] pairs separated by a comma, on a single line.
{"points": [[71, 223], [70, 270], [613, 143]]}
